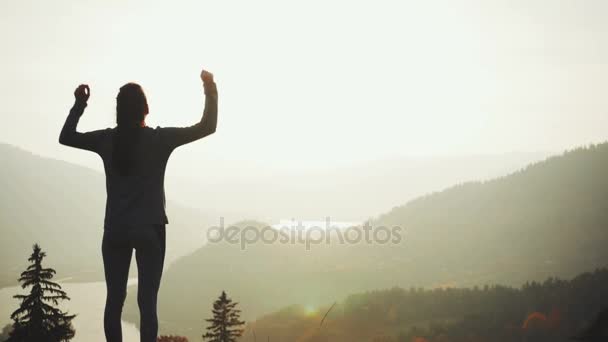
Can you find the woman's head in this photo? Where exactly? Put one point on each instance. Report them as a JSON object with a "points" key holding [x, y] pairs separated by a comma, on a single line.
{"points": [[131, 111], [131, 105]]}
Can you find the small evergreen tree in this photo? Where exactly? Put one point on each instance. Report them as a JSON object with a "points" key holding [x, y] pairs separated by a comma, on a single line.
{"points": [[226, 325], [37, 318]]}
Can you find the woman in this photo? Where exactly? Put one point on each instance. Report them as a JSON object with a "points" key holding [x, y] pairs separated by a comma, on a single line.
{"points": [[134, 158]]}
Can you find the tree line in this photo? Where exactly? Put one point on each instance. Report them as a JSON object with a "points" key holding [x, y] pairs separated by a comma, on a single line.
{"points": [[553, 310]]}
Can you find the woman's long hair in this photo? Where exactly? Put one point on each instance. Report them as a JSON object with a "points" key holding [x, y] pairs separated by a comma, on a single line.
{"points": [[131, 109]]}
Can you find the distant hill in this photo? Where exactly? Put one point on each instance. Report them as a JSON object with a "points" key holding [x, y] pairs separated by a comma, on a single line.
{"points": [[548, 219], [352, 192], [61, 207]]}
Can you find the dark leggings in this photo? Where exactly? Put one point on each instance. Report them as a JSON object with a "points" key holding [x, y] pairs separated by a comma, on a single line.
{"points": [[117, 248]]}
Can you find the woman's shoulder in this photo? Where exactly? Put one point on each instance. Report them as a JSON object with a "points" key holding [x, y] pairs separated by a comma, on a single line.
{"points": [[153, 130]]}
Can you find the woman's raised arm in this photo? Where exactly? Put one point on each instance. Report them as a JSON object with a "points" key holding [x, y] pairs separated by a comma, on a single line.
{"points": [[69, 136], [177, 136]]}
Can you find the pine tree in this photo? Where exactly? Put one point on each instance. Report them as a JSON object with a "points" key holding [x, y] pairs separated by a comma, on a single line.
{"points": [[225, 324], [37, 318]]}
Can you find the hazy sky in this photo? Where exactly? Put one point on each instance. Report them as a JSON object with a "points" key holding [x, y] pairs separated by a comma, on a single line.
{"points": [[315, 81]]}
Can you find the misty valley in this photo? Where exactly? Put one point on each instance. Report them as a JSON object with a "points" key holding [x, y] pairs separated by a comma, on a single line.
{"points": [[516, 256]]}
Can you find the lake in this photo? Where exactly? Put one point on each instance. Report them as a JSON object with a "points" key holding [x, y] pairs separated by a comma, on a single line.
{"points": [[87, 300]]}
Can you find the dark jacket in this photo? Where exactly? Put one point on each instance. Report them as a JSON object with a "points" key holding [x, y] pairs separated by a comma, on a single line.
{"points": [[139, 198]]}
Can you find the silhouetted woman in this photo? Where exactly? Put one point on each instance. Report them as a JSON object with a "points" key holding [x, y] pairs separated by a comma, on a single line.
{"points": [[134, 158]]}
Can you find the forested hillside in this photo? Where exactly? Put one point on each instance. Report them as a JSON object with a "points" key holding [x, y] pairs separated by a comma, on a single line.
{"points": [[553, 310], [549, 218]]}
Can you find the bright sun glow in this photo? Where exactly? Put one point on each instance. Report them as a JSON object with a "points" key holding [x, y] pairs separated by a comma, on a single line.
{"points": [[310, 310]]}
